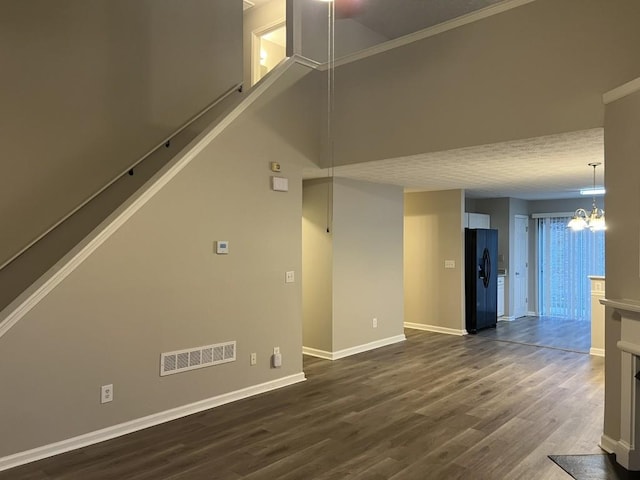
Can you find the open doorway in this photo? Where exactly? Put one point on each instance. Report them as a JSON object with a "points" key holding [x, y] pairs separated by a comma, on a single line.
{"points": [[566, 259], [269, 48]]}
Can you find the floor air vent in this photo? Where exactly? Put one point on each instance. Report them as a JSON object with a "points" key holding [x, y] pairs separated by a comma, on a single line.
{"points": [[199, 357]]}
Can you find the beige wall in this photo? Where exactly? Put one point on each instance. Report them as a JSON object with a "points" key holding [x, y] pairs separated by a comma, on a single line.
{"points": [[534, 70], [30, 265], [93, 87], [354, 273], [622, 150], [317, 266], [157, 286], [367, 262], [433, 233]]}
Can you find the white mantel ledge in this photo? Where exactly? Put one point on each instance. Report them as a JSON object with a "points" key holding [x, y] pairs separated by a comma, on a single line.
{"points": [[627, 447], [622, 304]]}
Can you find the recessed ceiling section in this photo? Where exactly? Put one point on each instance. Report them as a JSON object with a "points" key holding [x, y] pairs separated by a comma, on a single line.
{"points": [[553, 166], [396, 18]]}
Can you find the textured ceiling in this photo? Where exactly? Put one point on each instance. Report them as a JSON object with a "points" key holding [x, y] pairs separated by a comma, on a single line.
{"points": [[553, 166]]}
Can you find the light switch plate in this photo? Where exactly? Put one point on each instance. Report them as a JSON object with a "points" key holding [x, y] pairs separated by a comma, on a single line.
{"points": [[449, 264], [290, 277]]}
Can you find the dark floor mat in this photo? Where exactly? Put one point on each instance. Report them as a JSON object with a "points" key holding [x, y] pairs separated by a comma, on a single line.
{"points": [[593, 467]]}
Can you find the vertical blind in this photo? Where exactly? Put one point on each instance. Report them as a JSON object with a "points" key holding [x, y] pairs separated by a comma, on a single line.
{"points": [[566, 259]]}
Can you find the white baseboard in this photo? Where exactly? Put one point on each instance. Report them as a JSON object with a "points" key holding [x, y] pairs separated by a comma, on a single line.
{"points": [[506, 318], [597, 352], [626, 455], [314, 352], [435, 328], [108, 433], [347, 352], [532, 314], [608, 444]]}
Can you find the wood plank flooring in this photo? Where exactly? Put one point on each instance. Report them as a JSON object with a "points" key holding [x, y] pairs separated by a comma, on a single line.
{"points": [[433, 407], [564, 333]]}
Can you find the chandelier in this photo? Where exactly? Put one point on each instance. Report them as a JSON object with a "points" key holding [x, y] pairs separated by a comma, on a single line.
{"points": [[593, 220]]}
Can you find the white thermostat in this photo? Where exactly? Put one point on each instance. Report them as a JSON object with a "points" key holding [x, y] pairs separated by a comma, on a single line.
{"points": [[222, 247]]}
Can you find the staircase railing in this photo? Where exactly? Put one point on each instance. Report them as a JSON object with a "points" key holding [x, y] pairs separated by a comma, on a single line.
{"points": [[35, 258]]}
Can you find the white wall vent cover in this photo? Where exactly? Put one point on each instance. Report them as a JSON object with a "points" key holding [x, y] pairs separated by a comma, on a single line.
{"points": [[199, 357]]}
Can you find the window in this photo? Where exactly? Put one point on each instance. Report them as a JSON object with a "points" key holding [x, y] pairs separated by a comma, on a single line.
{"points": [[566, 259]]}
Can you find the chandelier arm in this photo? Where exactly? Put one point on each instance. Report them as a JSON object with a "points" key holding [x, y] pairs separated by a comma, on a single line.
{"points": [[593, 220], [594, 185]]}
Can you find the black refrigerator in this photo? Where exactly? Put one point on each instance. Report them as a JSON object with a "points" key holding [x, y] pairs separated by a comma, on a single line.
{"points": [[481, 279]]}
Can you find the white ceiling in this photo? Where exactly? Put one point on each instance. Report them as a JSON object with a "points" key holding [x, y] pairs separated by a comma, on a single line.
{"points": [[553, 166], [277, 36]]}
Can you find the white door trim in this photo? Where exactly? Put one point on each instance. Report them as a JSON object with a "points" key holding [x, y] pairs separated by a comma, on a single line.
{"points": [[255, 46]]}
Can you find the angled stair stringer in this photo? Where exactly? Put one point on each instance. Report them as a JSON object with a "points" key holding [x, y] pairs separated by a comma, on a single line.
{"points": [[147, 281], [11, 314]]}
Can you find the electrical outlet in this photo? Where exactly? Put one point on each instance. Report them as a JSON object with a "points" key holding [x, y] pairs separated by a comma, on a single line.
{"points": [[374, 323], [106, 393], [254, 358], [276, 358]]}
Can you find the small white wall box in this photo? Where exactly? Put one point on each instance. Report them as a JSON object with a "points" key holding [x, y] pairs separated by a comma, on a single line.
{"points": [[280, 184], [222, 247], [277, 360]]}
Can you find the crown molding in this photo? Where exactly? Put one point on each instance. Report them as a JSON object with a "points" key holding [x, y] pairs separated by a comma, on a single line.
{"points": [[622, 91]]}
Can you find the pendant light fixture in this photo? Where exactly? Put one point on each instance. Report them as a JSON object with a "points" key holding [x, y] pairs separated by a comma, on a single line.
{"points": [[593, 220]]}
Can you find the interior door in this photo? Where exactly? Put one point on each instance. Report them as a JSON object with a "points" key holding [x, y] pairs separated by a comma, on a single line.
{"points": [[521, 266]]}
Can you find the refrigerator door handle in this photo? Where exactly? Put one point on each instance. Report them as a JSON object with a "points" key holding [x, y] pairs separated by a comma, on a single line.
{"points": [[486, 268]]}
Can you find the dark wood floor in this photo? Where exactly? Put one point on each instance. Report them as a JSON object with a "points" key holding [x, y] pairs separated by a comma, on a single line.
{"points": [[433, 407], [564, 333]]}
